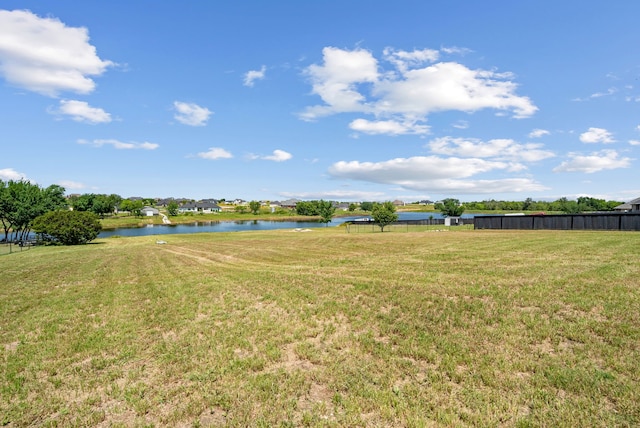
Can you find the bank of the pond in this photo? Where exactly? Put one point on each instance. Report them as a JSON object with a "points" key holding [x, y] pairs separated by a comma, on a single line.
{"points": [[247, 225]]}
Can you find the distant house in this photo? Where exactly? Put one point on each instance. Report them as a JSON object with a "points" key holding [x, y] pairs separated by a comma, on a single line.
{"points": [[632, 206], [199, 207], [398, 203], [149, 211], [289, 204], [623, 208]]}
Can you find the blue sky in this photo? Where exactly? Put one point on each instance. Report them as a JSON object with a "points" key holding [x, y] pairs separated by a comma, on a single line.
{"points": [[342, 100]]}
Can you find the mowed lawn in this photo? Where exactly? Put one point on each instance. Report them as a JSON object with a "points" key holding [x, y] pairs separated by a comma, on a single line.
{"points": [[324, 328]]}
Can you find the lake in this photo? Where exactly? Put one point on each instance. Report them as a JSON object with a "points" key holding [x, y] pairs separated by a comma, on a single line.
{"points": [[246, 225]]}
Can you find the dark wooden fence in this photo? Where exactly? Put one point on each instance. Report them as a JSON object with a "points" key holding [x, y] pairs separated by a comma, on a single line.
{"points": [[599, 221]]}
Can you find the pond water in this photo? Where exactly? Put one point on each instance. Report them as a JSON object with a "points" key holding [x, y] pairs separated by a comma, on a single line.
{"points": [[246, 225]]}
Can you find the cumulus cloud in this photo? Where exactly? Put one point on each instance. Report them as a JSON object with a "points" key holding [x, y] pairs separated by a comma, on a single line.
{"points": [[191, 114], [215, 153], [353, 81], [81, 111], [7, 174], [537, 133], [597, 135], [634, 142], [594, 162], [499, 149], [251, 76], [336, 80], [45, 56], [388, 127], [434, 174], [119, 145]]}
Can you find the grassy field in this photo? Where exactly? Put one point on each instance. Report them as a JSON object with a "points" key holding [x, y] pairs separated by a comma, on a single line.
{"points": [[324, 328]]}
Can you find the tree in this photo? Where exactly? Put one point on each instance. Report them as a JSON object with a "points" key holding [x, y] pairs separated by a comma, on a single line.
{"points": [[21, 202], [450, 207], [254, 206], [136, 207], [384, 214], [326, 210], [172, 208], [307, 208], [67, 227], [366, 206]]}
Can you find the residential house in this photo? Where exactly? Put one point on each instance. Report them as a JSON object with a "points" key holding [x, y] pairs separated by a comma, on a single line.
{"points": [[149, 211], [289, 204], [632, 206], [199, 207]]}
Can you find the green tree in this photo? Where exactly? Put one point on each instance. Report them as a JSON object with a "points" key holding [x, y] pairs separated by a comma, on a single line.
{"points": [[67, 227], [450, 207], [254, 206], [326, 210], [172, 208], [353, 207], [21, 202], [241, 209], [97, 203], [307, 208], [384, 214], [366, 206]]}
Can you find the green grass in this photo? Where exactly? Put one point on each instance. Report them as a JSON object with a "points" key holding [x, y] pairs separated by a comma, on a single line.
{"points": [[325, 328]]}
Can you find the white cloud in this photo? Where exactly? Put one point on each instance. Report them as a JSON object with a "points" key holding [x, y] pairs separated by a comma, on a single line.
{"points": [[352, 81], [7, 174], [71, 185], [119, 145], [251, 76], [597, 135], [634, 142], [191, 114], [336, 80], [500, 149], [434, 174], [45, 56], [388, 127], [454, 50], [403, 59], [597, 161], [81, 111], [610, 91], [277, 156], [215, 153], [537, 133]]}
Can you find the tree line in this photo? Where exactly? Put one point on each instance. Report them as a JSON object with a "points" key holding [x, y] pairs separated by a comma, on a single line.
{"points": [[565, 205]]}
